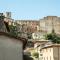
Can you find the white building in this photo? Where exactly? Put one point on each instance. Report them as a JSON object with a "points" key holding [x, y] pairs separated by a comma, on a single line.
{"points": [[38, 35]]}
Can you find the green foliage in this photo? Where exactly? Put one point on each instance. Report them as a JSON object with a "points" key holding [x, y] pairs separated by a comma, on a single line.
{"points": [[13, 30], [53, 37], [35, 54], [29, 35]]}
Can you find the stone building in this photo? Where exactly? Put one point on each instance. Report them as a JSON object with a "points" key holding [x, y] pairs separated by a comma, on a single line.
{"points": [[50, 52], [8, 18], [45, 25], [7, 14], [49, 23], [29, 25]]}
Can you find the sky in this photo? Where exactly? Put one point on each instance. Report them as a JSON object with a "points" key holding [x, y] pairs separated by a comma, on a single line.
{"points": [[30, 9]]}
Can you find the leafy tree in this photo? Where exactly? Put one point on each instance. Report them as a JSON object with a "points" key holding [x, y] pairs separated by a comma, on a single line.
{"points": [[53, 37], [13, 30]]}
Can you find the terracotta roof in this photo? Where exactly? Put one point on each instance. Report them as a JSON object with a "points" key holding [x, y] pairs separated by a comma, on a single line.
{"points": [[24, 40]]}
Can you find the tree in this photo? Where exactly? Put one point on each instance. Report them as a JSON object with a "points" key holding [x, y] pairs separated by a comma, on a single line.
{"points": [[13, 30], [29, 34], [53, 37]]}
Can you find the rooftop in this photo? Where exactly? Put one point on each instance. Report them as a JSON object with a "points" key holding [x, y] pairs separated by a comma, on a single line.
{"points": [[49, 46]]}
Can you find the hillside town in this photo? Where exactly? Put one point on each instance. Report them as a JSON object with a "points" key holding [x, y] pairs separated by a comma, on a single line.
{"points": [[40, 39]]}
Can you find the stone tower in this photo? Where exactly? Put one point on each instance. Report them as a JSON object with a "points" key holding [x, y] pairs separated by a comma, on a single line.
{"points": [[8, 14]]}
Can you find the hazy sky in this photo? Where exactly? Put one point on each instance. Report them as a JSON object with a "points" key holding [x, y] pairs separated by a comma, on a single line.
{"points": [[30, 9]]}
